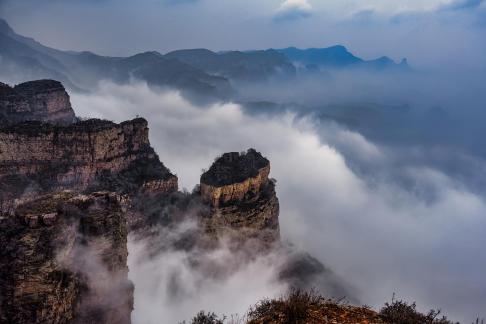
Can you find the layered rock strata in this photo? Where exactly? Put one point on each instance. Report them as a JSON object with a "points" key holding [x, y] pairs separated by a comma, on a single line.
{"points": [[64, 257], [242, 198], [64, 260], [42, 100], [89, 155]]}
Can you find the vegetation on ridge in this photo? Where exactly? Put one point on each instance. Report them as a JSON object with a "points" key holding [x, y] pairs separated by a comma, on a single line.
{"points": [[301, 307]]}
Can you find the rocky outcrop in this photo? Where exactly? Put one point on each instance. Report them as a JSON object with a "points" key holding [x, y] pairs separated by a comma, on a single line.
{"points": [[64, 256], [42, 100], [242, 198], [234, 177], [89, 155], [64, 260]]}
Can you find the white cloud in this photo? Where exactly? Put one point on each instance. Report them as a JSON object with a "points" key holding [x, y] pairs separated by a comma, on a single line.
{"points": [[169, 287], [296, 4], [390, 7], [293, 9]]}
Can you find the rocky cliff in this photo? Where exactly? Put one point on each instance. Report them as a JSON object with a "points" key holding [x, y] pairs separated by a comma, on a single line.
{"points": [[64, 254], [64, 260], [42, 100], [90, 155], [242, 198]]}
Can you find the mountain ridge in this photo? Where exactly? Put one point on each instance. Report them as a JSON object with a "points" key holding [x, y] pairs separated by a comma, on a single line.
{"points": [[198, 73], [338, 56]]}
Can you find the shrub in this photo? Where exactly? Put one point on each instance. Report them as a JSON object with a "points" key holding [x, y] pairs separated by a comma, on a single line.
{"points": [[400, 312], [206, 318], [293, 308]]}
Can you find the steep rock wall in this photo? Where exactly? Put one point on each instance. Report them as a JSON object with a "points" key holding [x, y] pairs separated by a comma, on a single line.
{"points": [[64, 260], [90, 155], [234, 192], [241, 197], [42, 100]]}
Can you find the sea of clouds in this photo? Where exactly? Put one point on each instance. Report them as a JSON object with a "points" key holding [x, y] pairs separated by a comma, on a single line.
{"points": [[416, 231]]}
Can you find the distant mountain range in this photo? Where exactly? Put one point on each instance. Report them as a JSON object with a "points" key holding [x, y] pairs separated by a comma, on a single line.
{"points": [[337, 57], [198, 72]]}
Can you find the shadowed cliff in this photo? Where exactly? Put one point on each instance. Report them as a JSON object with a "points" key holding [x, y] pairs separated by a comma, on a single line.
{"points": [[42, 100]]}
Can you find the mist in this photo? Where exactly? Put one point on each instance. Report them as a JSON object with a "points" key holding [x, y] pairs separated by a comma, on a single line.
{"points": [[174, 285], [384, 220]]}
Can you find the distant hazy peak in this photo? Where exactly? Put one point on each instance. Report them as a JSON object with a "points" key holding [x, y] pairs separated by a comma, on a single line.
{"points": [[149, 53], [5, 27], [383, 60], [192, 51], [335, 48]]}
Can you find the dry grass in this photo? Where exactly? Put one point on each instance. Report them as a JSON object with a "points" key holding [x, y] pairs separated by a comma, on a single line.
{"points": [[300, 307], [400, 312]]}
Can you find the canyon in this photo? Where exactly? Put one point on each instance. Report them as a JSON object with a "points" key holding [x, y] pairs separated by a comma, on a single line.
{"points": [[71, 191]]}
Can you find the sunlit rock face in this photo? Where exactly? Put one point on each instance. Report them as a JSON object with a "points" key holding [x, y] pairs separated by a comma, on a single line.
{"points": [[42, 100], [242, 198], [64, 260], [89, 155]]}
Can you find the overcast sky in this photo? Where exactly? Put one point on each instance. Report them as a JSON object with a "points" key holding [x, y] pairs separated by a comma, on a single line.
{"points": [[428, 32]]}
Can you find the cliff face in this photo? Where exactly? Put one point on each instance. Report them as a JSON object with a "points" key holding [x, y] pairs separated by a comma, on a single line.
{"points": [[90, 155], [63, 260], [234, 177], [42, 100], [64, 255], [242, 198]]}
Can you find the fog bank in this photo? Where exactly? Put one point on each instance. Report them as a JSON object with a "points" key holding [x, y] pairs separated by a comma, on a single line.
{"points": [[422, 241]]}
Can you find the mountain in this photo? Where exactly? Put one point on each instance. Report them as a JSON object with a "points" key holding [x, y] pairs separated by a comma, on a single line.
{"points": [[25, 63], [236, 65], [336, 57], [197, 73], [25, 58]]}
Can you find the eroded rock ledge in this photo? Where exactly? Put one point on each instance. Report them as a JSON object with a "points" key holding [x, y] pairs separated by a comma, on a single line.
{"points": [[90, 155], [234, 177], [41, 100], [243, 201]]}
